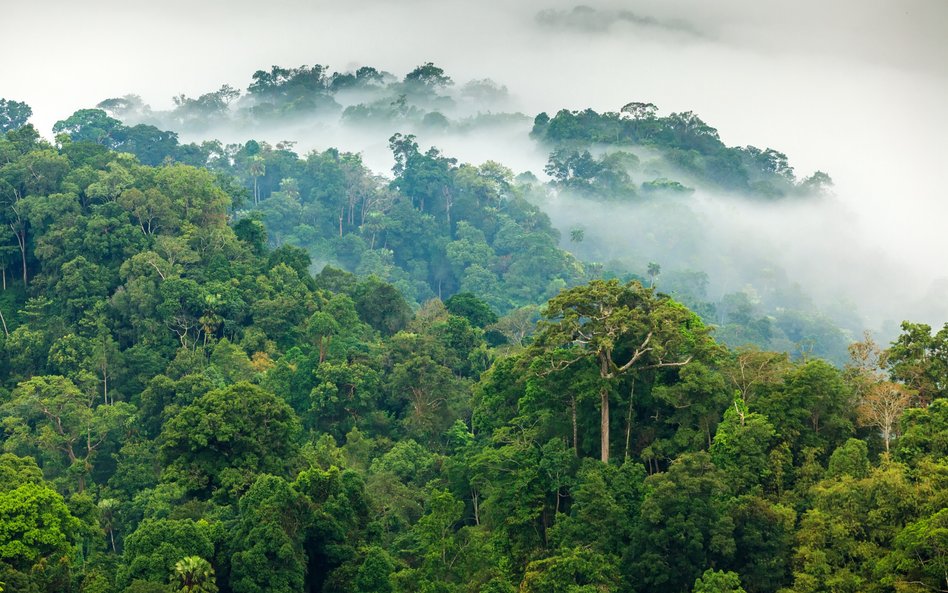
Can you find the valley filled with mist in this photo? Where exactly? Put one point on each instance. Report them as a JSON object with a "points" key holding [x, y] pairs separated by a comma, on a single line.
{"points": [[632, 297]]}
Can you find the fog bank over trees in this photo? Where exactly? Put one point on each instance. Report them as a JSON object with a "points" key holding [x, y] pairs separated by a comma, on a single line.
{"points": [[860, 95]]}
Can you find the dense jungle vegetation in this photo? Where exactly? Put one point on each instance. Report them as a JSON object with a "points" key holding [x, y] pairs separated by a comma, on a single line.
{"points": [[331, 205], [233, 368]]}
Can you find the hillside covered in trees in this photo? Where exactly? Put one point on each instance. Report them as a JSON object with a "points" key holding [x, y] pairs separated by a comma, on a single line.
{"points": [[236, 368], [438, 226]]}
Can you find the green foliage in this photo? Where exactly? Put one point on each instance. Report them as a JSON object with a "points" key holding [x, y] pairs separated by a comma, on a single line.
{"points": [[13, 115], [222, 441], [153, 549], [89, 125], [919, 560], [919, 358], [139, 586], [374, 575], [185, 407], [468, 306], [622, 330], [924, 433], [606, 176], [849, 459], [194, 575], [812, 409], [428, 75], [842, 539], [718, 581], [35, 526], [573, 571], [741, 448], [50, 414], [685, 524], [381, 306], [273, 522], [686, 143], [763, 542]]}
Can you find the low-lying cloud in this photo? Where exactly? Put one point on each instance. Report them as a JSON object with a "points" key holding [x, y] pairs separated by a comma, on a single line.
{"points": [[588, 19], [854, 88]]}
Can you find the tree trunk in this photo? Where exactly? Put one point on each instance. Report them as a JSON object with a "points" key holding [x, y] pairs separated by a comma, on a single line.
{"points": [[21, 240], [477, 512], [604, 423], [71, 453], [447, 207], [572, 406], [323, 345], [604, 359], [628, 420]]}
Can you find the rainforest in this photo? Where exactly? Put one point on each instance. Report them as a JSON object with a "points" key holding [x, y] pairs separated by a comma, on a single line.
{"points": [[364, 330]]}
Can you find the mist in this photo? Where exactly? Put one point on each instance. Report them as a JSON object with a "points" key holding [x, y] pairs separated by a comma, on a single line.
{"points": [[856, 89], [786, 254]]}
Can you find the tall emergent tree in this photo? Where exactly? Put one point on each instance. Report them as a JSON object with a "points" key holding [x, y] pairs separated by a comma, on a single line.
{"points": [[13, 115], [625, 328]]}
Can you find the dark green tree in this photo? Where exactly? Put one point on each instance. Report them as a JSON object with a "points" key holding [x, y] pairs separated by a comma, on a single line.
{"points": [[222, 441], [685, 524]]}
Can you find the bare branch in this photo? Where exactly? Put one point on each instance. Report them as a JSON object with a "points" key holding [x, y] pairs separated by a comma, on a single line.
{"points": [[639, 353]]}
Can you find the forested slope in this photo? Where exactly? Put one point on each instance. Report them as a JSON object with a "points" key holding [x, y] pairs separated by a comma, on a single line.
{"points": [[187, 406], [627, 193]]}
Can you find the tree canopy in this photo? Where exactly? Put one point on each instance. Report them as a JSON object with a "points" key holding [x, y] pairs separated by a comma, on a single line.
{"points": [[236, 369]]}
